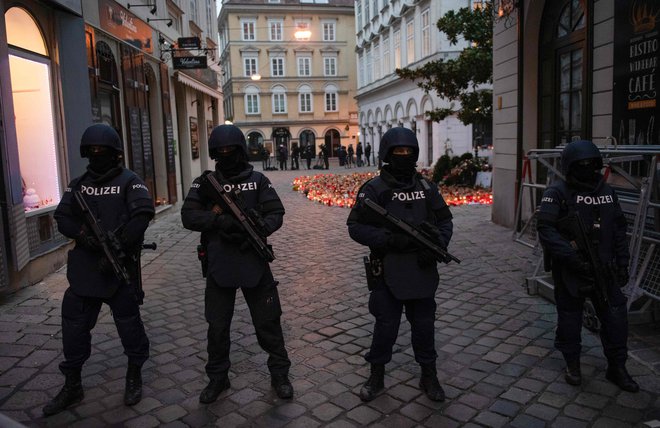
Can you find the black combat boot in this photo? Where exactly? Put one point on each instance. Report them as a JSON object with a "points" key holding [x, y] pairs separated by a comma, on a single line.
{"points": [[213, 390], [133, 391], [429, 383], [283, 387], [618, 375], [71, 393], [375, 384], [573, 375]]}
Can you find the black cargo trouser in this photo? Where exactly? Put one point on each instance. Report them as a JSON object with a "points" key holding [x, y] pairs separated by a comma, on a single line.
{"points": [[613, 319], [79, 316], [387, 310], [265, 310]]}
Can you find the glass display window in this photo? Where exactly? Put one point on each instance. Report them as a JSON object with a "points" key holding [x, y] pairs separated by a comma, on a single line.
{"points": [[33, 109]]}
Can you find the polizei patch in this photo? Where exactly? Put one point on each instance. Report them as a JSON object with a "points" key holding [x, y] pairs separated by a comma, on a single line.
{"points": [[595, 200], [409, 196], [99, 191]]}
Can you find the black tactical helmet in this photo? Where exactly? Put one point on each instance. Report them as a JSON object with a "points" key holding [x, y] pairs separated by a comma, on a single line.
{"points": [[579, 150], [395, 137], [100, 134], [227, 135]]}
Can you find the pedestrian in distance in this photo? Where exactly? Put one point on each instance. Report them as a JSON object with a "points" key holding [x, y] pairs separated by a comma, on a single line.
{"points": [[349, 156], [233, 263], [120, 201], [308, 154], [367, 153], [358, 154], [409, 275], [583, 233], [283, 156], [341, 154], [325, 154], [295, 155]]}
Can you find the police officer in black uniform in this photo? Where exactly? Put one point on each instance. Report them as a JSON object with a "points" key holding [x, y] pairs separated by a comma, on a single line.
{"points": [[584, 191], [233, 263], [119, 199], [410, 275]]}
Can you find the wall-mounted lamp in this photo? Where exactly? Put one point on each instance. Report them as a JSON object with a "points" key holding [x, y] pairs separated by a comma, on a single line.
{"points": [[194, 101], [154, 7], [169, 20], [256, 76]]}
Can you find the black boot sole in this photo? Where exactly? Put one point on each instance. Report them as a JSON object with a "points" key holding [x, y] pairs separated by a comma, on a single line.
{"points": [[74, 402]]}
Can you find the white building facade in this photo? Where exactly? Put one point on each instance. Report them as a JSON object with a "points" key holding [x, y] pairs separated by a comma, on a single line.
{"points": [[395, 34]]}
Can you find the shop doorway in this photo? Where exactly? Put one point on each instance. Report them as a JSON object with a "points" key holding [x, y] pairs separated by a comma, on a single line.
{"points": [[333, 142]]}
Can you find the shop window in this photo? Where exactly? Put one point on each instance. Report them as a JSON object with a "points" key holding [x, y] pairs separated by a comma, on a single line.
{"points": [[29, 67]]}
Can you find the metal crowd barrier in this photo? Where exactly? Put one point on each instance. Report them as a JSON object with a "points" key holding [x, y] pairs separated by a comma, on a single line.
{"points": [[634, 172]]}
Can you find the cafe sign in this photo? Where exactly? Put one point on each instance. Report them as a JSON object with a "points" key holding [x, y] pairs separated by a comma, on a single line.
{"points": [[636, 107], [189, 62], [118, 21]]}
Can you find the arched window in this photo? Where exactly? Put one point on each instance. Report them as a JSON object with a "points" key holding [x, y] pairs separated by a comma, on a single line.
{"points": [[331, 98], [307, 138], [305, 99], [32, 96], [279, 99], [252, 100], [563, 112]]}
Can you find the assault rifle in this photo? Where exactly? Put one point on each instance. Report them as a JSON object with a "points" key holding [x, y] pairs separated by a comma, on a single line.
{"points": [[108, 241], [572, 228], [253, 225], [420, 237], [111, 247]]}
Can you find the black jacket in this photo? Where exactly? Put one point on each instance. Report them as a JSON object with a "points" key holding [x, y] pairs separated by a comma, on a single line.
{"points": [[120, 201], [414, 202], [229, 265]]}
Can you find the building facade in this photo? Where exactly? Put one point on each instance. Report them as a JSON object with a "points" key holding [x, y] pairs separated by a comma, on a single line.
{"points": [[395, 34], [566, 70], [283, 86], [67, 64]]}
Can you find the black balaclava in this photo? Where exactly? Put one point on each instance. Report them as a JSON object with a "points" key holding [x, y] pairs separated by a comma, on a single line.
{"points": [[403, 165], [230, 163], [103, 162], [584, 174]]}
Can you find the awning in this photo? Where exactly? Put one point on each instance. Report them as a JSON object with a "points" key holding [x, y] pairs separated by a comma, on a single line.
{"points": [[189, 81]]}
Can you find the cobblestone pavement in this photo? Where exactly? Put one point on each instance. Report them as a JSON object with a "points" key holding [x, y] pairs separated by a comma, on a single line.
{"points": [[495, 342]]}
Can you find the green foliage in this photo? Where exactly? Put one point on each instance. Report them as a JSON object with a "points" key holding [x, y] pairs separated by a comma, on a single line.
{"points": [[460, 79], [441, 168]]}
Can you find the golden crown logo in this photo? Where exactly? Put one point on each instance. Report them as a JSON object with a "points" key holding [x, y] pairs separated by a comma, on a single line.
{"points": [[643, 17]]}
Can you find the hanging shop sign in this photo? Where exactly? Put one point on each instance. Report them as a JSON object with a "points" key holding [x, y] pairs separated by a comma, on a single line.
{"points": [[118, 21], [189, 62], [636, 107], [188, 43]]}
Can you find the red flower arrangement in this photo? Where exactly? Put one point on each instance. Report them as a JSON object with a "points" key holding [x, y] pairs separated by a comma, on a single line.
{"points": [[340, 190]]}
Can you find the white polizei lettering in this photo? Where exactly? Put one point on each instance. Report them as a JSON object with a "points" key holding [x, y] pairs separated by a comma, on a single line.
{"points": [[252, 185], [140, 186], [547, 199], [194, 186], [227, 187], [594, 200], [100, 191], [409, 196]]}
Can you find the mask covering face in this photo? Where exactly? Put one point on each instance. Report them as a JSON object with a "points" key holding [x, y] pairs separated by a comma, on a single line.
{"points": [[230, 163], [584, 171], [403, 165], [102, 162]]}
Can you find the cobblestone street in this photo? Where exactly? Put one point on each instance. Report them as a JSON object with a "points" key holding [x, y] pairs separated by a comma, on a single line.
{"points": [[495, 342]]}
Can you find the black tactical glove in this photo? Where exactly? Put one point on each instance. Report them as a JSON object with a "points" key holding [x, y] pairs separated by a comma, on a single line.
{"points": [[425, 258], [88, 241], [622, 276], [399, 242], [228, 224]]}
